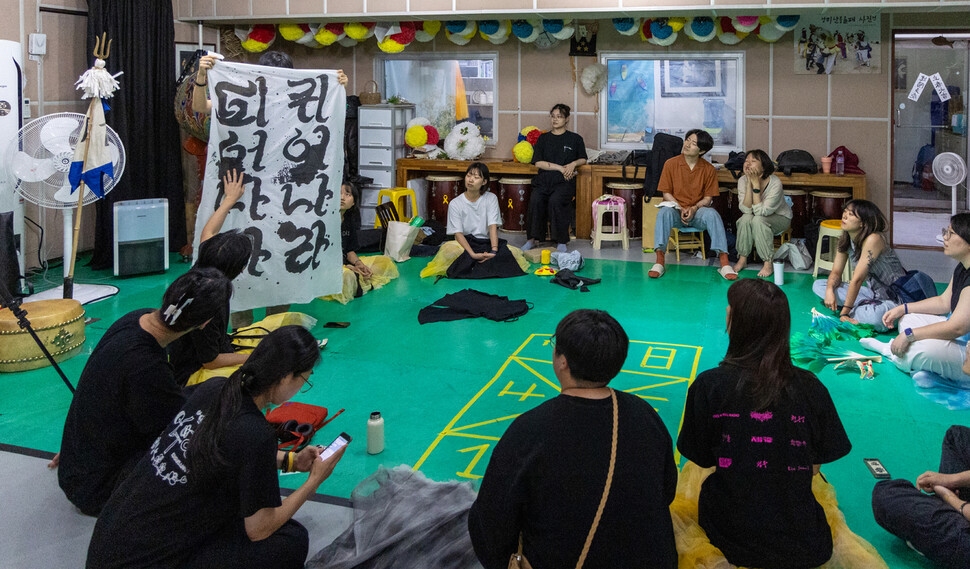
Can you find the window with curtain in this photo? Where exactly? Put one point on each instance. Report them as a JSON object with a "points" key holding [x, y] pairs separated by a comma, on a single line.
{"points": [[447, 88]]}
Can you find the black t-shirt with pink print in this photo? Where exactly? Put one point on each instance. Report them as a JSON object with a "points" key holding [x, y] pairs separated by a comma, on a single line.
{"points": [[758, 507]]}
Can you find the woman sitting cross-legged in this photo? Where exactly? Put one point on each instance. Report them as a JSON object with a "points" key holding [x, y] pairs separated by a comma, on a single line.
{"points": [[764, 427], [765, 213], [207, 492], [360, 274], [867, 297], [476, 252], [930, 344]]}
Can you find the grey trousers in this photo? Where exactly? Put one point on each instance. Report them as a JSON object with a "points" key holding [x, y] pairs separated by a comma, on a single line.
{"points": [[759, 231]]}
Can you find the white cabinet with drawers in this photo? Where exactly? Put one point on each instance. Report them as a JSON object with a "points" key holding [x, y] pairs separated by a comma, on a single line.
{"points": [[381, 143]]}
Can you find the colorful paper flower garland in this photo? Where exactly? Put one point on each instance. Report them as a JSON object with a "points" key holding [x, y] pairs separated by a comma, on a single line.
{"points": [[524, 149]]}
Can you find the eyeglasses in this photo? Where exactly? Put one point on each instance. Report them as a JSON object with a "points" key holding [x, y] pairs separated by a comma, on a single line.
{"points": [[947, 232], [307, 385]]}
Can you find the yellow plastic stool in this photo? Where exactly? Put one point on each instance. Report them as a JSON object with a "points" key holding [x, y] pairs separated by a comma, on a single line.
{"points": [[688, 238], [830, 229], [397, 197]]}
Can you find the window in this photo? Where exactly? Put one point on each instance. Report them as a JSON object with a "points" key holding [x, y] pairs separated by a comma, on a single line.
{"points": [[672, 93], [445, 89]]}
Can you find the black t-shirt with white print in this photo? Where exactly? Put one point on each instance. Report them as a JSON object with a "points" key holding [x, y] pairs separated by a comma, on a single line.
{"points": [[758, 507], [559, 149], [163, 511]]}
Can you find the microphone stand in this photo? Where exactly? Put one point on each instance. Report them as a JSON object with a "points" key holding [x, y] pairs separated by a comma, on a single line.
{"points": [[8, 300]]}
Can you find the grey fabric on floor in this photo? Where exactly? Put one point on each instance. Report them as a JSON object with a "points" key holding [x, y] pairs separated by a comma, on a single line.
{"points": [[404, 520], [39, 528]]}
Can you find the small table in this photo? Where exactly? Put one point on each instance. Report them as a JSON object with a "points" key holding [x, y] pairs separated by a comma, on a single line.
{"points": [[592, 179]]}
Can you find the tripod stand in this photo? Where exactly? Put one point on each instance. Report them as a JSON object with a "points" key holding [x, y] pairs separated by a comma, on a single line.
{"points": [[8, 300]]}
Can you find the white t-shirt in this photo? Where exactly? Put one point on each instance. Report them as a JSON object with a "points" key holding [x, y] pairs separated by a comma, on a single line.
{"points": [[473, 218]]}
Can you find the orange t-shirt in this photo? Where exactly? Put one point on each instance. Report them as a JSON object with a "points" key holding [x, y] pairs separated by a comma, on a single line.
{"points": [[688, 186]]}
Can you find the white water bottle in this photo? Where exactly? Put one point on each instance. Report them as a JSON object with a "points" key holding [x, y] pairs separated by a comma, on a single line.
{"points": [[840, 164], [375, 433]]}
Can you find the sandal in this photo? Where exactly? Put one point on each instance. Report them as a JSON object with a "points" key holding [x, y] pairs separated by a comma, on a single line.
{"points": [[656, 271], [728, 272]]}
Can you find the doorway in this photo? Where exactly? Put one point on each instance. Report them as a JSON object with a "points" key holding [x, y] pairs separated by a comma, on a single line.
{"points": [[929, 118]]}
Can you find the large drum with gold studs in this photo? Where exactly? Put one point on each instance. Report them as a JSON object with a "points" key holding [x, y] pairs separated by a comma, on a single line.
{"points": [[58, 323]]}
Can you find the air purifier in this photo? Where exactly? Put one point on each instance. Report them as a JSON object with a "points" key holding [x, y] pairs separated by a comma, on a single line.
{"points": [[140, 236]]}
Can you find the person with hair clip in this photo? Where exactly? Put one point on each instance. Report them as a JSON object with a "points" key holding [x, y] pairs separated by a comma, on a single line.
{"points": [[586, 478], [360, 274], [765, 427], [764, 211], [207, 494], [931, 345], [558, 155], [477, 252], [867, 297], [127, 392]]}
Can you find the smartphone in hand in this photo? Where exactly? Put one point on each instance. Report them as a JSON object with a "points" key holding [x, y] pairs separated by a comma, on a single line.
{"points": [[342, 440]]}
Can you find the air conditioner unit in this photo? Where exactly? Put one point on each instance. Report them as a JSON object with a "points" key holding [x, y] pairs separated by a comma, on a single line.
{"points": [[11, 120], [141, 236]]}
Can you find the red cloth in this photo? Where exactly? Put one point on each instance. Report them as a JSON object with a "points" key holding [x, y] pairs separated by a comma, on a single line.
{"points": [[851, 161]]}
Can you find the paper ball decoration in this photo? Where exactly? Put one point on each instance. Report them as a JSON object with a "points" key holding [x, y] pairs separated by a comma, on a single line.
{"points": [[529, 134], [745, 24], [461, 27], [786, 23], [626, 26], [727, 34], [359, 30], [700, 29], [769, 32], [503, 29], [426, 31], [526, 30], [390, 46], [417, 121], [660, 30], [464, 142], [416, 136], [292, 32], [523, 152], [347, 41], [487, 27], [407, 33], [664, 42], [433, 136], [594, 78], [565, 29], [256, 38], [330, 33], [645, 33], [677, 23]]}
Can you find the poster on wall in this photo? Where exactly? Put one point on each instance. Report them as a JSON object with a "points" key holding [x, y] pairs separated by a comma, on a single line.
{"points": [[284, 129], [842, 44]]}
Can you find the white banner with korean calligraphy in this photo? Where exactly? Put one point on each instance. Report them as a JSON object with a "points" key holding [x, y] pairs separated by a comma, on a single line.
{"points": [[284, 129], [844, 43]]}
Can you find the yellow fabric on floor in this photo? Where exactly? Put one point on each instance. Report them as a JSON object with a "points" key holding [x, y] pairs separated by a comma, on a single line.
{"points": [[257, 330], [696, 552], [383, 271], [451, 250]]}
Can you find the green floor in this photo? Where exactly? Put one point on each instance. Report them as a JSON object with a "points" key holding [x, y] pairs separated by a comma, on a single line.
{"points": [[448, 390]]}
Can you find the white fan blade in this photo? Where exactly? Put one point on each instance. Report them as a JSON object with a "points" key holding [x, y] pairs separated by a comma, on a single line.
{"points": [[114, 153], [64, 194], [55, 135], [30, 169]]}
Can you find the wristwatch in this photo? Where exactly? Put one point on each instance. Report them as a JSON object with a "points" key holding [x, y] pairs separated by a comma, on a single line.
{"points": [[909, 335]]}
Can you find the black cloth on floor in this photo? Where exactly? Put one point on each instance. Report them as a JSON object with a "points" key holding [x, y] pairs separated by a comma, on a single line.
{"points": [[935, 528], [502, 265], [569, 279], [758, 507], [470, 303], [126, 395], [167, 515], [422, 250]]}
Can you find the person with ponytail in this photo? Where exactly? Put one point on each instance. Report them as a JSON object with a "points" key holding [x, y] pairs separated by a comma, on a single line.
{"points": [[127, 392], [207, 494], [765, 426]]}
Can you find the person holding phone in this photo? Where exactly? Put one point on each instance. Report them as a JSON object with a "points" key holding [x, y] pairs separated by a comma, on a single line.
{"points": [[207, 493]]}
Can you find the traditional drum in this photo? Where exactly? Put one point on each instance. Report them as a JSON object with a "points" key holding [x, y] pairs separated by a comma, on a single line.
{"points": [[734, 210], [514, 202], [633, 194], [720, 203], [58, 323], [829, 204], [441, 190], [799, 212]]}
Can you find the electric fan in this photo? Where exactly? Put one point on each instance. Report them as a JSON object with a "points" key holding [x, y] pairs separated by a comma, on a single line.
{"points": [[39, 160], [949, 170]]}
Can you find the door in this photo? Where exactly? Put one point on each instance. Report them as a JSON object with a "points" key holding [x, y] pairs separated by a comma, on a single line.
{"points": [[925, 125]]}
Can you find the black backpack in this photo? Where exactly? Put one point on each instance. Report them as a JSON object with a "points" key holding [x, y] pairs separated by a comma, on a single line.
{"points": [[796, 161]]}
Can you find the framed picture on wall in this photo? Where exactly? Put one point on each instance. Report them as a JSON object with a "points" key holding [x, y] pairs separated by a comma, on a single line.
{"points": [[692, 78], [184, 53]]}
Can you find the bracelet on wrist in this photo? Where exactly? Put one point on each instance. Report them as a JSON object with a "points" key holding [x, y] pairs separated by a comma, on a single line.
{"points": [[197, 84], [906, 307]]}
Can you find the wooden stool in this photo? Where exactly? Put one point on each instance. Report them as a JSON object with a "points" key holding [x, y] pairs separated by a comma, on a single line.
{"points": [[830, 229], [691, 239], [397, 196], [618, 231]]}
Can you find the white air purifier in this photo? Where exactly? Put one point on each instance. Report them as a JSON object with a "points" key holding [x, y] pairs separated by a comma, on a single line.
{"points": [[141, 236], [11, 120]]}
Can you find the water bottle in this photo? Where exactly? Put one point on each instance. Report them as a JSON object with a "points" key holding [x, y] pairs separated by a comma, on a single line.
{"points": [[375, 433], [840, 164]]}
